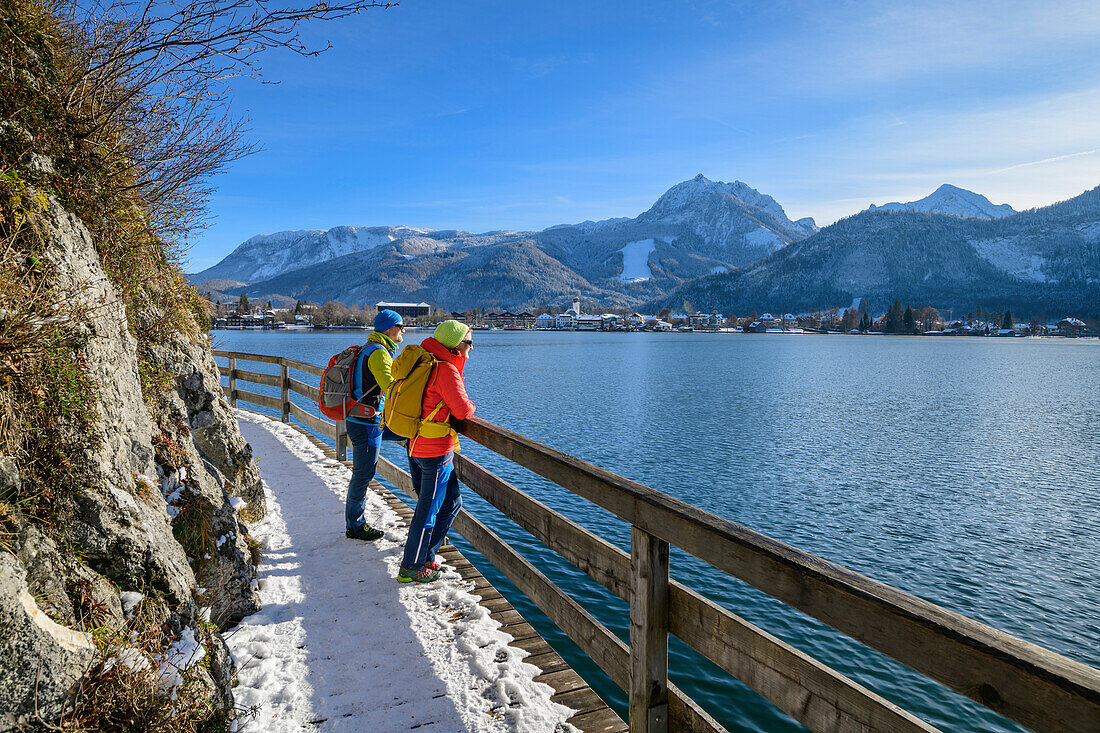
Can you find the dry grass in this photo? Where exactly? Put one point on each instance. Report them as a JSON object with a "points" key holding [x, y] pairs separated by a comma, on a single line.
{"points": [[255, 549], [193, 528], [47, 399], [126, 690]]}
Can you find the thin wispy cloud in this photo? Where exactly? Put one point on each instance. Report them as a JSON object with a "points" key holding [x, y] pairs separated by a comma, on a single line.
{"points": [[1044, 161], [874, 42], [725, 124]]}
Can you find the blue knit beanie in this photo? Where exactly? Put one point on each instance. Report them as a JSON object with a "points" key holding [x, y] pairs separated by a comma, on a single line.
{"points": [[386, 319]]}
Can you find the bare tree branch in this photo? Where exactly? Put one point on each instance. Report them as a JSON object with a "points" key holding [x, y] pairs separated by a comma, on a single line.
{"points": [[151, 89]]}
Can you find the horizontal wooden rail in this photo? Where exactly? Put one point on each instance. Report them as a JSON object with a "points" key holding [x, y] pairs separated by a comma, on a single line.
{"points": [[303, 389], [1022, 681], [263, 400], [266, 358], [812, 693], [270, 380], [304, 367], [797, 684], [322, 426], [292, 363], [601, 646]]}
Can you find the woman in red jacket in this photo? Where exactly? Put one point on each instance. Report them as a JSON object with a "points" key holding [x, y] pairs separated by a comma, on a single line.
{"points": [[431, 460]]}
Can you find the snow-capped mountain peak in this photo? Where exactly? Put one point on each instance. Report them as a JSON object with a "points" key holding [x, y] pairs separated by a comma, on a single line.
{"points": [[687, 194], [697, 198], [948, 199], [268, 255]]}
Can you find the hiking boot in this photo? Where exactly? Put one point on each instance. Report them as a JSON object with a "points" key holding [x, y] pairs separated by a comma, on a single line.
{"points": [[423, 575], [432, 565], [365, 532]]}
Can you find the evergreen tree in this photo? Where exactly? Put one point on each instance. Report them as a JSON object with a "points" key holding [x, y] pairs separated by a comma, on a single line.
{"points": [[865, 322], [1006, 322], [242, 305], [895, 317], [909, 321]]}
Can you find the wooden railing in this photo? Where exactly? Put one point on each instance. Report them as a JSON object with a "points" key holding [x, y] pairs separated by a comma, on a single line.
{"points": [[1033, 686]]}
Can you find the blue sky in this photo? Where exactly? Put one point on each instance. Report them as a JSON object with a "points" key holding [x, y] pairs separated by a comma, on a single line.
{"points": [[488, 115]]}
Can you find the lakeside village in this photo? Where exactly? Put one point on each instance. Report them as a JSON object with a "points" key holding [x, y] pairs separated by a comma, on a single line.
{"points": [[854, 319]]}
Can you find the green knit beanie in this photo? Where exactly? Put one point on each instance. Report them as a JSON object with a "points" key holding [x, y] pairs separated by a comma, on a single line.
{"points": [[450, 333]]}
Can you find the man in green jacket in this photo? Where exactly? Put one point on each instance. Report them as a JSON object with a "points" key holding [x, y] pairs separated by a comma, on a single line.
{"points": [[364, 424]]}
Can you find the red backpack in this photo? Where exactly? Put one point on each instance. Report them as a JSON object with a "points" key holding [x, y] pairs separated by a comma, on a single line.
{"points": [[334, 395]]}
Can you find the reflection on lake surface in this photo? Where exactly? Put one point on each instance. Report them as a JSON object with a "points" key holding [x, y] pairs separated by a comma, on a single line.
{"points": [[965, 471]]}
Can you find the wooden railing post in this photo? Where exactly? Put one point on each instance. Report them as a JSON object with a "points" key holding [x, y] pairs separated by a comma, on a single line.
{"points": [[649, 604], [341, 441], [286, 392], [232, 381]]}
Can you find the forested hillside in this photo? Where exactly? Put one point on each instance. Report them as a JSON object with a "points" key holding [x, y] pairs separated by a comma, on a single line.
{"points": [[1043, 261]]}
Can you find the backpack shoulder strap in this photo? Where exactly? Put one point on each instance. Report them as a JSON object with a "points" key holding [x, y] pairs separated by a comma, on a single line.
{"points": [[360, 365]]}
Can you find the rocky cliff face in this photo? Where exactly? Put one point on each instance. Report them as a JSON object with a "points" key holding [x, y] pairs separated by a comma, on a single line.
{"points": [[155, 536]]}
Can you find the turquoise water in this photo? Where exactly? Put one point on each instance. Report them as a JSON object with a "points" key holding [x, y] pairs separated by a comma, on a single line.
{"points": [[965, 471]]}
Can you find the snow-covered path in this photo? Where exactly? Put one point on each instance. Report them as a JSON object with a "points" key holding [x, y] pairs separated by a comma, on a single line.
{"points": [[339, 645]]}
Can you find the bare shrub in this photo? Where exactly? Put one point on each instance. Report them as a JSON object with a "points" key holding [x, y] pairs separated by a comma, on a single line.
{"points": [[149, 81]]}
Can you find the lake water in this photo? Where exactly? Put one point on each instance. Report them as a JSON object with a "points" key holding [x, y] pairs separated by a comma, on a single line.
{"points": [[963, 470]]}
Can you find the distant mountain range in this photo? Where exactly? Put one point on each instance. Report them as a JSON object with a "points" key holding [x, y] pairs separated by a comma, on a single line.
{"points": [[1040, 261], [948, 199], [717, 245], [268, 255], [696, 227]]}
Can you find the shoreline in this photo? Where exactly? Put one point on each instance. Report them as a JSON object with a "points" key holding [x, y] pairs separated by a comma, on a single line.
{"points": [[724, 331]]}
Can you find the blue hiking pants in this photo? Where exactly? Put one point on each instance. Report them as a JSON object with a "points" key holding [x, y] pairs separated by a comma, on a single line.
{"points": [[436, 507], [366, 440]]}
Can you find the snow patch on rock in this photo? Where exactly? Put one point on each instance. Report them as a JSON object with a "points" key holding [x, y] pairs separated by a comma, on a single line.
{"points": [[1012, 258], [763, 237], [1090, 231]]}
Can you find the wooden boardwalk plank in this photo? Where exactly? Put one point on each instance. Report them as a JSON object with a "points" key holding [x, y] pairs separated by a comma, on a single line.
{"points": [[604, 720], [583, 700], [563, 680], [549, 662]]}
